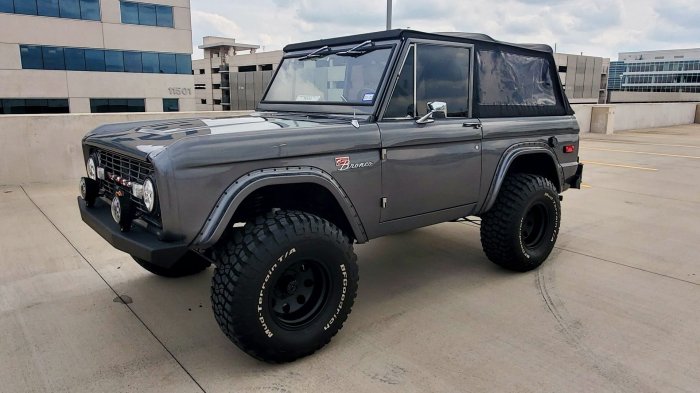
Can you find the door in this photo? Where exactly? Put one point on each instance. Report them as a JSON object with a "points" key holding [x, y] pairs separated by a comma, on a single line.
{"points": [[433, 166]]}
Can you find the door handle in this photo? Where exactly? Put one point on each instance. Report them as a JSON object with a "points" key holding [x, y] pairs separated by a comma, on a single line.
{"points": [[472, 123]]}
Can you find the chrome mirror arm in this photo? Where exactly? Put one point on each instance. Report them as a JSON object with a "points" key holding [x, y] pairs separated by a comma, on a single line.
{"points": [[433, 108], [427, 119]]}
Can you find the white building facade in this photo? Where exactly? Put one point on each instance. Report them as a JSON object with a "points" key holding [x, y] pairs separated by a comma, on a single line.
{"points": [[232, 75], [95, 56], [656, 76]]}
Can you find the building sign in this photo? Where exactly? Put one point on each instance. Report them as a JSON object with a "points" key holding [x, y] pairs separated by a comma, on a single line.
{"points": [[180, 91]]}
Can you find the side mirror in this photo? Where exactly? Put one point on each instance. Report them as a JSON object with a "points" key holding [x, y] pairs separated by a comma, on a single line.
{"points": [[436, 109]]}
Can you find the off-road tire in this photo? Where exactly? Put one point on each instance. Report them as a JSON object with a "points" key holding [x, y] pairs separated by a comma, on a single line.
{"points": [[188, 265], [253, 265], [504, 229]]}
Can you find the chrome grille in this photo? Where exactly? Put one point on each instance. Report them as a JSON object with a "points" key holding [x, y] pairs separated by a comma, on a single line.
{"points": [[132, 170]]}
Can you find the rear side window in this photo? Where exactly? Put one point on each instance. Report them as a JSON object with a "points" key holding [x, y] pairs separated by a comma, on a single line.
{"points": [[513, 84]]}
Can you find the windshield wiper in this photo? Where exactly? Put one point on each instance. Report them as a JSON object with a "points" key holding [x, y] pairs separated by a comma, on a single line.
{"points": [[317, 54], [358, 50]]}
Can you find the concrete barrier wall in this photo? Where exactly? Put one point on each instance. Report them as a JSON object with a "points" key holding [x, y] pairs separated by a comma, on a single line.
{"points": [[635, 116], [47, 148], [583, 116]]}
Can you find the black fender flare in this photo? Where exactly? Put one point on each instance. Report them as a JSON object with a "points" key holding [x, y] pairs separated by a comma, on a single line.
{"points": [[507, 160], [235, 194]]}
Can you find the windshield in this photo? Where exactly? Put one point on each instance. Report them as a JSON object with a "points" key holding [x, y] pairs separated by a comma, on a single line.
{"points": [[334, 78]]}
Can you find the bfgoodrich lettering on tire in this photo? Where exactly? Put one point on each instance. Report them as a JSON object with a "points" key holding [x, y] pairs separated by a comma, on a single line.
{"points": [[284, 285], [519, 232]]}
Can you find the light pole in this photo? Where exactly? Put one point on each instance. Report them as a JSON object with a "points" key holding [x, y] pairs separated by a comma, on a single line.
{"points": [[388, 14]]}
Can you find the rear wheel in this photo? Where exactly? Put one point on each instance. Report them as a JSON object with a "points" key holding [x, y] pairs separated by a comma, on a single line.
{"points": [[191, 263], [519, 232], [284, 285]]}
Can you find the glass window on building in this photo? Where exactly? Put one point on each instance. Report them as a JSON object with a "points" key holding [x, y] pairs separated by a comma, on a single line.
{"points": [[7, 6], [132, 62], [32, 58], [99, 105], [130, 12], [184, 64], [70, 9], [48, 8], [171, 105], [13, 107], [53, 58], [117, 105], [95, 60], [33, 106], [26, 7], [150, 62], [168, 65], [136, 105], [101, 60], [147, 14], [75, 59], [73, 9], [114, 61], [164, 16], [89, 9]]}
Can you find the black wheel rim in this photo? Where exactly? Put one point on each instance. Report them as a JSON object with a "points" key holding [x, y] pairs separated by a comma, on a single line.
{"points": [[534, 225], [299, 294]]}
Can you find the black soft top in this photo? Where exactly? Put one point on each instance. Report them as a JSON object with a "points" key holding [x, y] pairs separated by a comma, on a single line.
{"points": [[403, 33]]}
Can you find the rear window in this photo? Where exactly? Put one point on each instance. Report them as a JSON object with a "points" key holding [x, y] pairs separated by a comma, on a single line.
{"points": [[513, 84]]}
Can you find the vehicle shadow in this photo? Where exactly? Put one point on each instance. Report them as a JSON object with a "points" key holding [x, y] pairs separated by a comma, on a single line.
{"points": [[394, 271]]}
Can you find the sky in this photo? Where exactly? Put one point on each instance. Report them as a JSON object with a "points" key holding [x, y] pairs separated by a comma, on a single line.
{"points": [[594, 27]]}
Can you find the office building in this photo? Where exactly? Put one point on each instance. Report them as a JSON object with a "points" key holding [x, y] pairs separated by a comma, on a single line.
{"points": [[232, 75], [90, 56], [656, 76], [584, 78]]}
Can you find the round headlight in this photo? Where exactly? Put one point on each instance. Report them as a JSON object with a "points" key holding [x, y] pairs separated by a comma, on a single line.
{"points": [[91, 168], [149, 195]]}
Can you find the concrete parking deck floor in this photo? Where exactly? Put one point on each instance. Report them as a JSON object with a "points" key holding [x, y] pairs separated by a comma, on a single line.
{"points": [[616, 307]]}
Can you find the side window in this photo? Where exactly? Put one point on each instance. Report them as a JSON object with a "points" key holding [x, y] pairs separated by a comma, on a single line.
{"points": [[442, 74], [401, 103], [434, 73], [516, 84]]}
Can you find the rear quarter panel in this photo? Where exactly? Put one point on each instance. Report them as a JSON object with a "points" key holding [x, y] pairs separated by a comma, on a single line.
{"points": [[499, 134]]}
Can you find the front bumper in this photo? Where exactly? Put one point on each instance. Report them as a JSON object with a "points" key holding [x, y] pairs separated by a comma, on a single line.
{"points": [[137, 242]]}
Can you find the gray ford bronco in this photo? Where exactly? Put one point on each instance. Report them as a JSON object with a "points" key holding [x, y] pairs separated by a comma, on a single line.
{"points": [[356, 138]]}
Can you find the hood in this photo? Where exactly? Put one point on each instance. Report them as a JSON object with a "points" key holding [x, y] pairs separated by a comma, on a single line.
{"points": [[141, 139]]}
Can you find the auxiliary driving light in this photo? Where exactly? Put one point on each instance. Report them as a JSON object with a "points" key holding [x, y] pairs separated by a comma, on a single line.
{"points": [[122, 211], [92, 168], [89, 190]]}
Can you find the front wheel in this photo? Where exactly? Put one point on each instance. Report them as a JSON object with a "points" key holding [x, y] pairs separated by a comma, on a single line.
{"points": [[519, 232], [284, 285]]}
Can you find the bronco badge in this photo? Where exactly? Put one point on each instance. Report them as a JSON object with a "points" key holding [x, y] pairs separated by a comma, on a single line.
{"points": [[343, 164]]}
